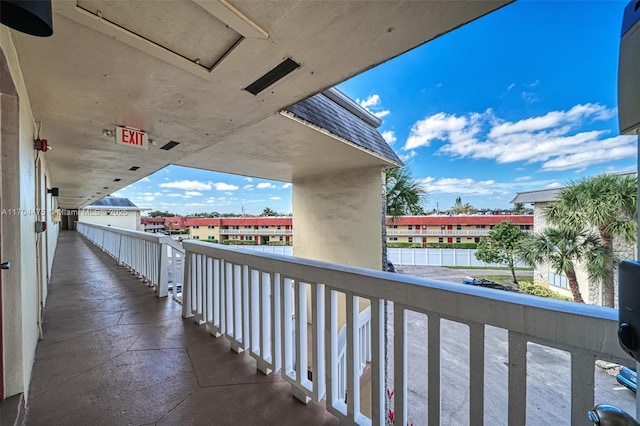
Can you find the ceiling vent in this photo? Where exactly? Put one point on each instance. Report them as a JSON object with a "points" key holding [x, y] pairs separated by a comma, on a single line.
{"points": [[134, 168], [170, 145], [277, 73]]}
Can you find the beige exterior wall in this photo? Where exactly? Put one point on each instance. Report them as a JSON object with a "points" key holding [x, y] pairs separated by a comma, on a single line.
{"points": [[350, 200], [118, 218], [203, 232], [25, 201]]}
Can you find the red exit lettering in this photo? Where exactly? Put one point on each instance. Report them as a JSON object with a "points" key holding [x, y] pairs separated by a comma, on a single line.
{"points": [[131, 137]]}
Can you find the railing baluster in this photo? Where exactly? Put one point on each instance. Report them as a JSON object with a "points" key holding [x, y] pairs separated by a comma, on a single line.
{"points": [[582, 385], [476, 374], [434, 374], [400, 364], [517, 398], [378, 397]]}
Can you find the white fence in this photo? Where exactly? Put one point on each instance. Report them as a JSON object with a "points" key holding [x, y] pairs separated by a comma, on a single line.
{"points": [[249, 297], [438, 257]]}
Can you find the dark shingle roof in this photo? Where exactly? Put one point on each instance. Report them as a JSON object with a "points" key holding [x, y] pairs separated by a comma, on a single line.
{"points": [[113, 202], [325, 113]]}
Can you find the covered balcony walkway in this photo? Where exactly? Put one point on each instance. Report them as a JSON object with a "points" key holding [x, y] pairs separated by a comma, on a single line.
{"points": [[113, 353]]}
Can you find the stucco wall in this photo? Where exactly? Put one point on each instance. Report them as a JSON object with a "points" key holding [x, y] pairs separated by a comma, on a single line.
{"points": [[350, 201], [20, 284]]}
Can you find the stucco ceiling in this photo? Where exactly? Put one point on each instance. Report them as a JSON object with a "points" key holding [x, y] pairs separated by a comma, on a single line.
{"points": [[177, 70]]}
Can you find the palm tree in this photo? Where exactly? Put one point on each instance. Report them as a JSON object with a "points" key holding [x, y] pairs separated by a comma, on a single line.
{"points": [[608, 203], [404, 194], [562, 248]]}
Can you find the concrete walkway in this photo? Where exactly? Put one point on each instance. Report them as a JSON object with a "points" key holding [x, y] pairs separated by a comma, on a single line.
{"points": [[114, 354]]}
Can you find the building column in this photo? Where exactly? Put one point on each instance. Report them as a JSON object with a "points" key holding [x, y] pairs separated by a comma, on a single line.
{"points": [[337, 217]]}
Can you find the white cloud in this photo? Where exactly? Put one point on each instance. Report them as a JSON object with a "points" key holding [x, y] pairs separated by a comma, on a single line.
{"points": [[174, 195], [372, 100], [522, 178], [373, 104], [265, 185], [408, 156], [511, 86], [187, 185], [462, 186], [221, 186], [286, 185], [275, 198], [248, 187], [551, 139], [438, 126], [193, 193], [248, 179], [389, 136], [145, 179]]}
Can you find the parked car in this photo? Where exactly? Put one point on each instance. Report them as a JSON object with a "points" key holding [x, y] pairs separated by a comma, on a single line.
{"points": [[390, 267], [480, 282], [627, 377]]}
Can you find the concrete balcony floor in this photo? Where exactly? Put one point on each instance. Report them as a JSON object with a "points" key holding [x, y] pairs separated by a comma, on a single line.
{"points": [[114, 354]]}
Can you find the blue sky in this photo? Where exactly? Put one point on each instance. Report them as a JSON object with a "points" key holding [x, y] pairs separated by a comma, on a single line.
{"points": [[521, 99]]}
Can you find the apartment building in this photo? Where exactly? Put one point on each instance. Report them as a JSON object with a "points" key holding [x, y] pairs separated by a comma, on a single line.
{"points": [[242, 230], [421, 230], [415, 230]]}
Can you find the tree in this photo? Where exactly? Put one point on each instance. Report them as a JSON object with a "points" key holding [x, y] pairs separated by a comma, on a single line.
{"points": [[607, 203], [158, 213], [404, 193], [269, 212], [466, 208], [562, 248], [501, 246]]}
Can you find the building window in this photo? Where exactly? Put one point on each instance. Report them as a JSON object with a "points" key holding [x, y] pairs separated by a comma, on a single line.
{"points": [[235, 227], [481, 226], [211, 227], [394, 226], [477, 239], [440, 239], [410, 239], [526, 227], [281, 238], [195, 237], [249, 238], [393, 238], [247, 227], [457, 239], [196, 227], [458, 226], [443, 227], [278, 227], [410, 227], [211, 237]]}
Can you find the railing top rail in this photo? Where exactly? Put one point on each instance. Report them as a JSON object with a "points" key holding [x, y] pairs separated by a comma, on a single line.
{"points": [[130, 232], [568, 324]]}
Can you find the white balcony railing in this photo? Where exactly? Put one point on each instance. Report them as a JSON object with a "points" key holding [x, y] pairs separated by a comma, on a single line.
{"points": [[256, 231], [442, 232], [155, 259], [250, 297]]}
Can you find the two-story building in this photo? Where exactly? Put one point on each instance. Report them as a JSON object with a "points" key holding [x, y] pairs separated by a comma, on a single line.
{"points": [[421, 230], [242, 230]]}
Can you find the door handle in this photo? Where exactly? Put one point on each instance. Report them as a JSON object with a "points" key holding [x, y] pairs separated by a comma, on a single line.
{"points": [[5, 265]]}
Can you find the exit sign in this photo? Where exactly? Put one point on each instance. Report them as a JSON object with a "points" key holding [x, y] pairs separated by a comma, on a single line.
{"points": [[132, 137]]}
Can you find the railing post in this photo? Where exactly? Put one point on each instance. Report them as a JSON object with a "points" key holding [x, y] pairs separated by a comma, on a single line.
{"points": [[163, 276], [186, 285]]}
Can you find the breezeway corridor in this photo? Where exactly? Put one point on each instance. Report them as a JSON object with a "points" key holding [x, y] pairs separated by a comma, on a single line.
{"points": [[113, 353]]}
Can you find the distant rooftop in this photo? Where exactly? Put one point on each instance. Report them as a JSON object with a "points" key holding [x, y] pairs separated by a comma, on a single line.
{"points": [[114, 202], [540, 196], [334, 111]]}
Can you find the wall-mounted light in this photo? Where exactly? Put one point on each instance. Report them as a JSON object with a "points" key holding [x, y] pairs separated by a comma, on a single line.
{"points": [[55, 192], [107, 132]]}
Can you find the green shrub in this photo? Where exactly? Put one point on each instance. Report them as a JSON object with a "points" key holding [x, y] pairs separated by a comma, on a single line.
{"points": [[538, 290], [453, 245]]}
